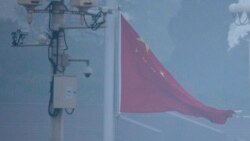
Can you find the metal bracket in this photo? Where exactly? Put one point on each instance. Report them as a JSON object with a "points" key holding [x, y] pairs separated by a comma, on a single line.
{"points": [[18, 37]]}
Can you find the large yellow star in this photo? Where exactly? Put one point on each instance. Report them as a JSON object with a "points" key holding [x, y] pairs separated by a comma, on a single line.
{"points": [[145, 44]]}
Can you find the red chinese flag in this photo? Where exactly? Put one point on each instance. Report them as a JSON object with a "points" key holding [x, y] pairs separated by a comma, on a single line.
{"points": [[147, 87]]}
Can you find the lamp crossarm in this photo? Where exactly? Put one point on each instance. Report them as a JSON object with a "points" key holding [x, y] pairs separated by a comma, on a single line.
{"points": [[79, 60], [68, 27], [31, 45]]}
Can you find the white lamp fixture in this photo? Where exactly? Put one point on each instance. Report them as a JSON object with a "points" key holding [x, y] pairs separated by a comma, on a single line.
{"points": [[30, 7], [83, 4]]}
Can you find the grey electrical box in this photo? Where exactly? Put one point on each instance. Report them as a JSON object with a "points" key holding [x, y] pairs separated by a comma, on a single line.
{"points": [[65, 88]]}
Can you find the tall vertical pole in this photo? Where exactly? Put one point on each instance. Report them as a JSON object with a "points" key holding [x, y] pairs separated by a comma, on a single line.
{"points": [[109, 79], [248, 59], [57, 19]]}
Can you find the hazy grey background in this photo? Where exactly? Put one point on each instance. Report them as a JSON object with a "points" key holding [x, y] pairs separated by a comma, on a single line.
{"points": [[188, 36]]}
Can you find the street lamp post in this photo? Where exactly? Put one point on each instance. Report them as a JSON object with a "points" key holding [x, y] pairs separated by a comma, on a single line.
{"points": [[57, 18], [63, 87]]}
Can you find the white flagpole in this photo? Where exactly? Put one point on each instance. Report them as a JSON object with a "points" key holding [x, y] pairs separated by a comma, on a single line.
{"points": [[248, 57], [118, 66], [109, 73]]}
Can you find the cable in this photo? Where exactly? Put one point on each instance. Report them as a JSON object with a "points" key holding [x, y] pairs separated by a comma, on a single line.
{"points": [[14, 39], [69, 112], [50, 11], [53, 64], [95, 17], [49, 26], [53, 112], [65, 42]]}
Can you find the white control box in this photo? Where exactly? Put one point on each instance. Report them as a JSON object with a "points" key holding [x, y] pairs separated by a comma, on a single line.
{"points": [[65, 88]]}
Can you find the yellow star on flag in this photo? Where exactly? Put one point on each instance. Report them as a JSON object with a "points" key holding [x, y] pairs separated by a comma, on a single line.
{"points": [[145, 44], [162, 74]]}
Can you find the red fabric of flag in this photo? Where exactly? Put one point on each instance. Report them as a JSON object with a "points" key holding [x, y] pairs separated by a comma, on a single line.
{"points": [[148, 87]]}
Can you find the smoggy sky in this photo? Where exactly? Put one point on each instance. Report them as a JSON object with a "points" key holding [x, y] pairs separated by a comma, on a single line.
{"points": [[196, 40]]}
